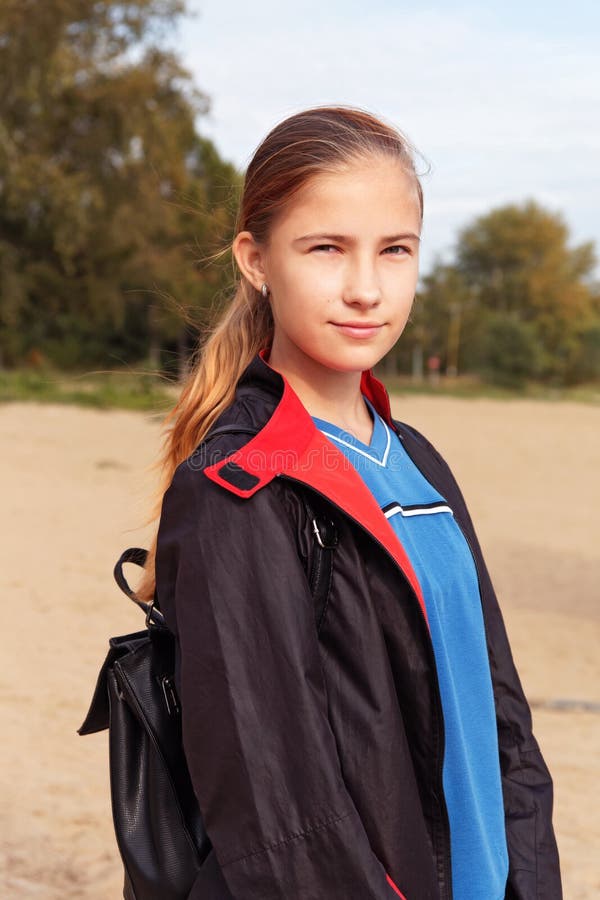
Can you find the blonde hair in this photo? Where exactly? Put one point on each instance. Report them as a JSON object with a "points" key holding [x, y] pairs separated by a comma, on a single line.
{"points": [[316, 141]]}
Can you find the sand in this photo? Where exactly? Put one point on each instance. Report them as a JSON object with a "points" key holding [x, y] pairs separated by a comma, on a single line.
{"points": [[74, 494]]}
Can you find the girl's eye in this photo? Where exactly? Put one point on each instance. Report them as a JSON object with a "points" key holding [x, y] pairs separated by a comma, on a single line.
{"points": [[402, 250]]}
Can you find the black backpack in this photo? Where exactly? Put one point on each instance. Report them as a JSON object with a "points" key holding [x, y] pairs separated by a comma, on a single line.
{"points": [[158, 824]]}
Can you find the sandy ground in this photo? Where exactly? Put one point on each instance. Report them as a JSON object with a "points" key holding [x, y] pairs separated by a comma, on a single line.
{"points": [[74, 494]]}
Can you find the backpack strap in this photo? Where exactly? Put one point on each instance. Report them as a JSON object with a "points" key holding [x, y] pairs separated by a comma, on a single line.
{"points": [[138, 556], [321, 570]]}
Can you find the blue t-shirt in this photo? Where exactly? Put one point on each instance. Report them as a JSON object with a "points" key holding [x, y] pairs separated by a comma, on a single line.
{"points": [[443, 563]]}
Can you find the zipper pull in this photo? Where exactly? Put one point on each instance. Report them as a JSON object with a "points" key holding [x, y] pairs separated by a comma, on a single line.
{"points": [[170, 695]]}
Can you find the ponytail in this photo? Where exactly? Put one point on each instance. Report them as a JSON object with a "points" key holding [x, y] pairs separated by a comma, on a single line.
{"points": [[244, 328]]}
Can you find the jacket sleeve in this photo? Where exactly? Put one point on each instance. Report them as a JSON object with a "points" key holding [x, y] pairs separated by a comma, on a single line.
{"points": [[261, 753], [534, 869]]}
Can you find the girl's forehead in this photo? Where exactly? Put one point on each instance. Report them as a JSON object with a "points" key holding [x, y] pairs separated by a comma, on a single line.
{"points": [[371, 170], [383, 191]]}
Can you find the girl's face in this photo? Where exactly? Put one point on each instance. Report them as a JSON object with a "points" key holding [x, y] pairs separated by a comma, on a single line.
{"points": [[342, 268]]}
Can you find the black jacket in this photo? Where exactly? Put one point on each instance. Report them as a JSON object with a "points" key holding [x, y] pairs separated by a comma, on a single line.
{"points": [[316, 756]]}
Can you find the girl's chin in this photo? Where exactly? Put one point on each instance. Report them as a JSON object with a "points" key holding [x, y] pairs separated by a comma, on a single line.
{"points": [[350, 361]]}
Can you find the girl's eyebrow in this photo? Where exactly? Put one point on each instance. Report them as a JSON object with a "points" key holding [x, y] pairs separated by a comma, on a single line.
{"points": [[350, 239]]}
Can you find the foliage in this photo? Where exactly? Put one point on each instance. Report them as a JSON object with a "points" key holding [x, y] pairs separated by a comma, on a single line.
{"points": [[111, 203], [583, 363], [517, 301], [105, 185], [511, 351]]}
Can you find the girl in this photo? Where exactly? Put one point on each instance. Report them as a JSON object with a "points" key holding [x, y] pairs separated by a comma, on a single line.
{"points": [[384, 750]]}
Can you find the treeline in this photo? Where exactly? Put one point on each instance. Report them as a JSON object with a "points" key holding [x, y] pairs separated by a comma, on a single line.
{"points": [[517, 302], [114, 212], [109, 197]]}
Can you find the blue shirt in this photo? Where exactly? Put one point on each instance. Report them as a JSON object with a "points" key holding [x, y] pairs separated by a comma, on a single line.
{"points": [[443, 563]]}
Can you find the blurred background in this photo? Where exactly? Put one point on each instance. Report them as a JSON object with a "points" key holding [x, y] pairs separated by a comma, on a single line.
{"points": [[125, 130]]}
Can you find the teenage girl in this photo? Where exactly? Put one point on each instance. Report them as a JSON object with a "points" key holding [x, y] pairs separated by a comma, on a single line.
{"points": [[380, 746]]}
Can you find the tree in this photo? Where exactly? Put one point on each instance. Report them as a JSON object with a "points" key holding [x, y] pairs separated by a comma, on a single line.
{"points": [[102, 179], [511, 352], [520, 258], [513, 264]]}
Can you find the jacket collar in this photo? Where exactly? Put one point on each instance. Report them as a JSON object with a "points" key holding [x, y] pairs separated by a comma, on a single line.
{"points": [[290, 444]]}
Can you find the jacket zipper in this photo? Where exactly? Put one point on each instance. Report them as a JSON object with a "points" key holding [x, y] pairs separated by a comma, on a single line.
{"points": [[443, 866]]}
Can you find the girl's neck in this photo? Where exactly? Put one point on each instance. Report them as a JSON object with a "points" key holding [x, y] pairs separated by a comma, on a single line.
{"points": [[327, 394]]}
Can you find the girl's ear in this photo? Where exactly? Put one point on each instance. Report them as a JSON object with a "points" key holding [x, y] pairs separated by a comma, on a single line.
{"points": [[249, 256]]}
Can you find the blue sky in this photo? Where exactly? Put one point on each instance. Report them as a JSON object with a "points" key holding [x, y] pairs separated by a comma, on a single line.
{"points": [[502, 101]]}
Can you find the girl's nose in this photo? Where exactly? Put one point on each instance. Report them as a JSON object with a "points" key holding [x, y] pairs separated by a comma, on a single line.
{"points": [[362, 286], [363, 296]]}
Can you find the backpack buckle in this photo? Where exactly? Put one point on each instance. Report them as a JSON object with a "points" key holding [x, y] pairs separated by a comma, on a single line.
{"points": [[326, 535]]}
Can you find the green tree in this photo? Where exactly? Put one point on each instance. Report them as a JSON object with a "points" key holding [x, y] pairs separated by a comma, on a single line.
{"points": [[511, 351], [520, 258], [440, 320], [104, 181], [514, 263]]}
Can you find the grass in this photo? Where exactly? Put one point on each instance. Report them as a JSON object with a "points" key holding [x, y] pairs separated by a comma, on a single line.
{"points": [[471, 387], [146, 391], [119, 389]]}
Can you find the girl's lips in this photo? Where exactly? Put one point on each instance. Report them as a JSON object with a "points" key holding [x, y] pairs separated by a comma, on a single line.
{"points": [[358, 331]]}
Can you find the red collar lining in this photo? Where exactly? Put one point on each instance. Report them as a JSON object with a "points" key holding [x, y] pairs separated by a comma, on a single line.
{"points": [[290, 444]]}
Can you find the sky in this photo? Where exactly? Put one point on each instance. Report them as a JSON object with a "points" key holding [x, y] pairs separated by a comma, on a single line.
{"points": [[501, 101]]}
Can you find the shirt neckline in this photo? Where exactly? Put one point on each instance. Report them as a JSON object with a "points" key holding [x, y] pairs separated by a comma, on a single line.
{"points": [[378, 448]]}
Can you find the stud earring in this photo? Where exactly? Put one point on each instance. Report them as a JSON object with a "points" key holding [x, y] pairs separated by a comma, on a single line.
{"points": [[265, 290]]}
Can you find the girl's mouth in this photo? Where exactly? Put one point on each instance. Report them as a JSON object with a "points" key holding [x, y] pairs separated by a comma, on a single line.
{"points": [[356, 330]]}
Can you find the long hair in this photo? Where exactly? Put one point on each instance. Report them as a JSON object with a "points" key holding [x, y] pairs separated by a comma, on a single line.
{"points": [[319, 140]]}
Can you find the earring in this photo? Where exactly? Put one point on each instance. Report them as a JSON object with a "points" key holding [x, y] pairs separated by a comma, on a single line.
{"points": [[265, 289]]}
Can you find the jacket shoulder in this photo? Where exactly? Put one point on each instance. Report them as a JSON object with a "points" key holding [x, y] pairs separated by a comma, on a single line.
{"points": [[194, 497], [419, 440], [435, 467], [242, 419]]}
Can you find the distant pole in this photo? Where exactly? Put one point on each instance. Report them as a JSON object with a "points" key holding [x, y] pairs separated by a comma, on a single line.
{"points": [[453, 340], [153, 339], [417, 362]]}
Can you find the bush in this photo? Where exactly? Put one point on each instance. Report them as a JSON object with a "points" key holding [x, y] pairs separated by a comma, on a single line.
{"points": [[511, 351], [584, 363]]}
